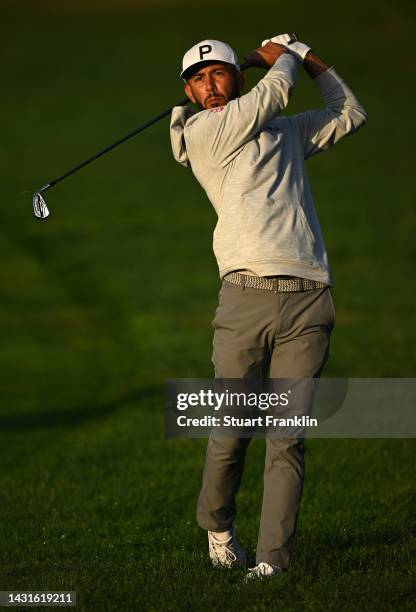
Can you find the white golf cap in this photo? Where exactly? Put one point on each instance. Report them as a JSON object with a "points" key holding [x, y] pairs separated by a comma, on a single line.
{"points": [[209, 51]]}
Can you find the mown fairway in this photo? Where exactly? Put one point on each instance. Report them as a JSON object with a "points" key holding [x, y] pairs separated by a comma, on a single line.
{"points": [[115, 293]]}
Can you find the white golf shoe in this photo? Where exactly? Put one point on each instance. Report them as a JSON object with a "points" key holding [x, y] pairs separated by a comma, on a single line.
{"points": [[226, 553], [263, 570]]}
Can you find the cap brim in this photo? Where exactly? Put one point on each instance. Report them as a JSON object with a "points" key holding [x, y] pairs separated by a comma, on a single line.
{"points": [[188, 72]]}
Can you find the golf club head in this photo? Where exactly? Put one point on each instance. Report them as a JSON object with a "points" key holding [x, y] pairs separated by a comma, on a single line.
{"points": [[39, 206]]}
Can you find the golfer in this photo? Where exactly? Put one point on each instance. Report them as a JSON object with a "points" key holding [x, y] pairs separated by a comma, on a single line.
{"points": [[275, 312]]}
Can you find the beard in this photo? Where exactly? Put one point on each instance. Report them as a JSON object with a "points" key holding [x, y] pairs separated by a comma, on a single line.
{"points": [[234, 94]]}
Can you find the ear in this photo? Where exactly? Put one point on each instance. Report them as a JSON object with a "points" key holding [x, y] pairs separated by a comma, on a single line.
{"points": [[241, 79], [188, 92]]}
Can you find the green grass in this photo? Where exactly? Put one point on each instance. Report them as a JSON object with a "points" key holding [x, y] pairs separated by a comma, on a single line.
{"points": [[116, 291]]}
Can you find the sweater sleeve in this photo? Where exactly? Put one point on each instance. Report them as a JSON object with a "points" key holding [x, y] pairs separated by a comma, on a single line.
{"points": [[342, 115], [224, 130]]}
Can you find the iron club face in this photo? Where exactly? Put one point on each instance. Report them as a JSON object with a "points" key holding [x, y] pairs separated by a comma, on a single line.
{"points": [[40, 209]]}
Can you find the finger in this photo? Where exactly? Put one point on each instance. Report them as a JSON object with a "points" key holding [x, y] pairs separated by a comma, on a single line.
{"points": [[282, 39]]}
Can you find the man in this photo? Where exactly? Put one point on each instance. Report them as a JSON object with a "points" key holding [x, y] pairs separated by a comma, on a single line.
{"points": [[275, 312]]}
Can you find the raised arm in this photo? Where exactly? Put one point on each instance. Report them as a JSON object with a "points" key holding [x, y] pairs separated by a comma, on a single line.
{"points": [[342, 115]]}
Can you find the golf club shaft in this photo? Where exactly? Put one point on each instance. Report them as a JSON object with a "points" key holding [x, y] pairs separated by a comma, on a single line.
{"points": [[140, 128]]}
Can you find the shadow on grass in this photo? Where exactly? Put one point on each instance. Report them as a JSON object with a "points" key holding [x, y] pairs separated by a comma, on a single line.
{"points": [[361, 551], [51, 419]]}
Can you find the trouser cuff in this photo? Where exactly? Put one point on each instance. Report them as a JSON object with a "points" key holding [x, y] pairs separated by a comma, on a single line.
{"points": [[219, 527]]}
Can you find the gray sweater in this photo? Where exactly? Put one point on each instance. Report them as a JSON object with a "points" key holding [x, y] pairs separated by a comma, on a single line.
{"points": [[251, 164]]}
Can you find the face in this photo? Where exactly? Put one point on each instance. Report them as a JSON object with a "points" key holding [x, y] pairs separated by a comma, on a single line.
{"points": [[214, 85]]}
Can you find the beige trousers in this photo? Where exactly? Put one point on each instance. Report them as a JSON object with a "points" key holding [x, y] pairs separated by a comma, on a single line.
{"points": [[259, 333]]}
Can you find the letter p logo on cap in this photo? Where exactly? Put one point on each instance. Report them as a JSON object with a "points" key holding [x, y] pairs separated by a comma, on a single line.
{"points": [[203, 50]]}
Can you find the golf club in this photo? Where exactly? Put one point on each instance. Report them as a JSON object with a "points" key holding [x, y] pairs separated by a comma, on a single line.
{"points": [[40, 208]]}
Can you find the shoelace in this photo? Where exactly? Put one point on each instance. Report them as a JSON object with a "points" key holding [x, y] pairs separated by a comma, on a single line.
{"points": [[225, 547], [262, 569]]}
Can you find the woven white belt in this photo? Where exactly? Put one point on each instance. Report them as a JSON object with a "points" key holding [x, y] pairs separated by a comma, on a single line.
{"points": [[276, 284]]}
